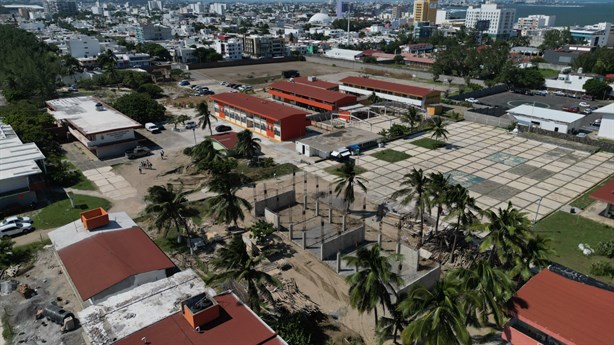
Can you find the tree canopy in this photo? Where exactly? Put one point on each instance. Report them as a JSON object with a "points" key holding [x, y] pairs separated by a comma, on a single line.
{"points": [[600, 61], [140, 107], [597, 88]]}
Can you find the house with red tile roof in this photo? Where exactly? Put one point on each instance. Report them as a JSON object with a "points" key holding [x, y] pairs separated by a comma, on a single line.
{"points": [[561, 306], [403, 93], [310, 97]]}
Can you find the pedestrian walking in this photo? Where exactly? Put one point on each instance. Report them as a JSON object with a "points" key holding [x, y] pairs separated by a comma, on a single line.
{"points": [[148, 164], [162, 154], [140, 170]]}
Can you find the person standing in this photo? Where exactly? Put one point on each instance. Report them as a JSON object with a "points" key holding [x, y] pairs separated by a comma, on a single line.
{"points": [[162, 154], [140, 170]]}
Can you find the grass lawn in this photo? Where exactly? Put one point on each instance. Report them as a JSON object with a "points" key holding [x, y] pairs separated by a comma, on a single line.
{"points": [[390, 155], [583, 201], [84, 183], [263, 173], [429, 143], [567, 231], [548, 73], [335, 169], [59, 212]]}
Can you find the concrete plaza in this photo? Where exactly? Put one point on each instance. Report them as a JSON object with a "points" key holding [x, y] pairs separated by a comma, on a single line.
{"points": [[495, 165]]}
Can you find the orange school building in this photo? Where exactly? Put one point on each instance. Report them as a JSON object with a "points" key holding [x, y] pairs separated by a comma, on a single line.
{"points": [[311, 97]]}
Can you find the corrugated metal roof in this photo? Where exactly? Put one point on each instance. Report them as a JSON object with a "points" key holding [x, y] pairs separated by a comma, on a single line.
{"points": [[307, 91], [322, 84], [17, 158], [265, 108], [387, 86], [545, 114], [105, 259]]}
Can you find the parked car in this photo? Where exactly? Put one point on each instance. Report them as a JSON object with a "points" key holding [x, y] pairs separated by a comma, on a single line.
{"points": [[596, 123], [581, 135], [559, 93], [223, 128], [152, 127], [190, 124], [184, 83], [584, 105], [571, 109], [13, 229], [15, 219], [137, 152], [587, 111], [541, 93], [223, 83], [587, 97], [471, 100]]}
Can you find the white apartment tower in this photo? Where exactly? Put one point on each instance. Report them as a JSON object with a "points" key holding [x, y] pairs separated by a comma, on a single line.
{"points": [[82, 46], [231, 49], [500, 20], [217, 8]]}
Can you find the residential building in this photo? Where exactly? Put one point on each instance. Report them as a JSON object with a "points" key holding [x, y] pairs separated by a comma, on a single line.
{"points": [[21, 169], [397, 11], [344, 54], [569, 83], [82, 46], [606, 128], [101, 129], [136, 60], [423, 30], [259, 47], [496, 21], [547, 119], [154, 5], [267, 118], [186, 55], [598, 35], [342, 8], [408, 94], [534, 22], [442, 17], [561, 306], [230, 49], [152, 32], [217, 8], [310, 97], [66, 7], [425, 10]]}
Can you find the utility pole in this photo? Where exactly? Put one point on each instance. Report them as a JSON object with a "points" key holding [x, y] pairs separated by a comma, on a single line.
{"points": [[349, 15]]}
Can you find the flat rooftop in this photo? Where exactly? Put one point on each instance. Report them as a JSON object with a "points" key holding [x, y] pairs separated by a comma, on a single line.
{"points": [[82, 114], [328, 142], [16, 158], [126, 313], [74, 232], [545, 114], [255, 105]]}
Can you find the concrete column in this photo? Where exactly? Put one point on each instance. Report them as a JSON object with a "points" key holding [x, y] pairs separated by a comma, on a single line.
{"points": [[344, 223], [305, 202], [398, 247], [318, 207], [338, 261], [330, 215], [379, 239], [291, 231], [304, 240], [321, 230]]}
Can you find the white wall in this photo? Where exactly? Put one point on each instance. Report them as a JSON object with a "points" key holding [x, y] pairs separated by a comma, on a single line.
{"points": [[14, 183], [104, 138], [544, 124], [129, 284], [606, 130], [382, 95]]}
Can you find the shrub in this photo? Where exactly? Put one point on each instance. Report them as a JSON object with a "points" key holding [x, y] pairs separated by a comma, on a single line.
{"points": [[605, 249], [602, 269], [140, 107], [153, 90]]}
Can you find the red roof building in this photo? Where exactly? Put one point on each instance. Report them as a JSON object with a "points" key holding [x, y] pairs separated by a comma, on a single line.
{"points": [[606, 194], [227, 141], [225, 321], [268, 118], [315, 82], [414, 95], [554, 309], [112, 261], [310, 97]]}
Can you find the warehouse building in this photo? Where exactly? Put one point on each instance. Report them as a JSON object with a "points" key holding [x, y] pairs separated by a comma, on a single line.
{"points": [[414, 95], [548, 119], [310, 97], [267, 118]]}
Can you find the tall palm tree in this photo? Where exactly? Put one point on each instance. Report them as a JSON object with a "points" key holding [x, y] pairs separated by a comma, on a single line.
{"points": [[234, 263], [415, 190], [411, 117], [226, 207], [535, 255], [346, 181], [247, 146], [438, 190], [492, 287], [205, 156], [437, 316], [439, 129], [462, 207], [204, 116], [508, 231], [168, 207], [373, 280], [373, 98]]}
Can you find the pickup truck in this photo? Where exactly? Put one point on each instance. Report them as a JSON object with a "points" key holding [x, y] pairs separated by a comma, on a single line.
{"points": [[139, 151]]}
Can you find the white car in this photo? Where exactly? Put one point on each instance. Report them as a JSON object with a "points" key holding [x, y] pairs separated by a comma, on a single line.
{"points": [[13, 229], [584, 105], [471, 100], [15, 219]]}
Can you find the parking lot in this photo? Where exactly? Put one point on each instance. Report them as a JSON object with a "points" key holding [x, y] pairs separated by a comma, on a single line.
{"points": [[551, 101]]}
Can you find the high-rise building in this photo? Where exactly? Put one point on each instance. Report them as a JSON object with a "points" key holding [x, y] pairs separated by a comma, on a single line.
{"points": [[342, 8], [82, 46], [230, 49], [263, 46], [153, 32], [217, 8], [67, 7], [154, 5], [425, 10], [397, 12], [497, 22]]}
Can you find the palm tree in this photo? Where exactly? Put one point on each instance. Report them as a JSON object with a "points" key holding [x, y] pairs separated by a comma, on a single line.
{"points": [[439, 129], [535, 255], [438, 190], [346, 181], [508, 233], [205, 156], [226, 207], [411, 117], [204, 116], [436, 317], [247, 146], [416, 191], [461, 205], [235, 263], [107, 60], [180, 119], [373, 280], [168, 207], [373, 98], [492, 287]]}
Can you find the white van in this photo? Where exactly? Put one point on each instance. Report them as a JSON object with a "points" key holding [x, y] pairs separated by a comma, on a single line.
{"points": [[151, 127]]}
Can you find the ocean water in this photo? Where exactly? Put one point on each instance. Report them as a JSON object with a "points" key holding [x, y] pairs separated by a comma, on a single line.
{"points": [[566, 15]]}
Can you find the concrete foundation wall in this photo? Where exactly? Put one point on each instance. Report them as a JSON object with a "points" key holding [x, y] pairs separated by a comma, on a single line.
{"points": [[275, 202], [428, 280], [271, 217], [341, 242]]}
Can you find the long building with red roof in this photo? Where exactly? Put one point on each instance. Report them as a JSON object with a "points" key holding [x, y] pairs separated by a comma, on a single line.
{"points": [[310, 97], [265, 117], [560, 306], [409, 94]]}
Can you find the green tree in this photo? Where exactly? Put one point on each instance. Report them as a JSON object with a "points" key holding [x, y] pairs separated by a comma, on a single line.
{"points": [[346, 182], [415, 189], [534, 255], [411, 117], [226, 207], [438, 191], [373, 98], [207, 55], [439, 129], [179, 119], [247, 146], [153, 90], [261, 230], [462, 208], [155, 50], [597, 88], [372, 281], [140, 107], [204, 116], [234, 263], [436, 316], [6, 252], [206, 157]]}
